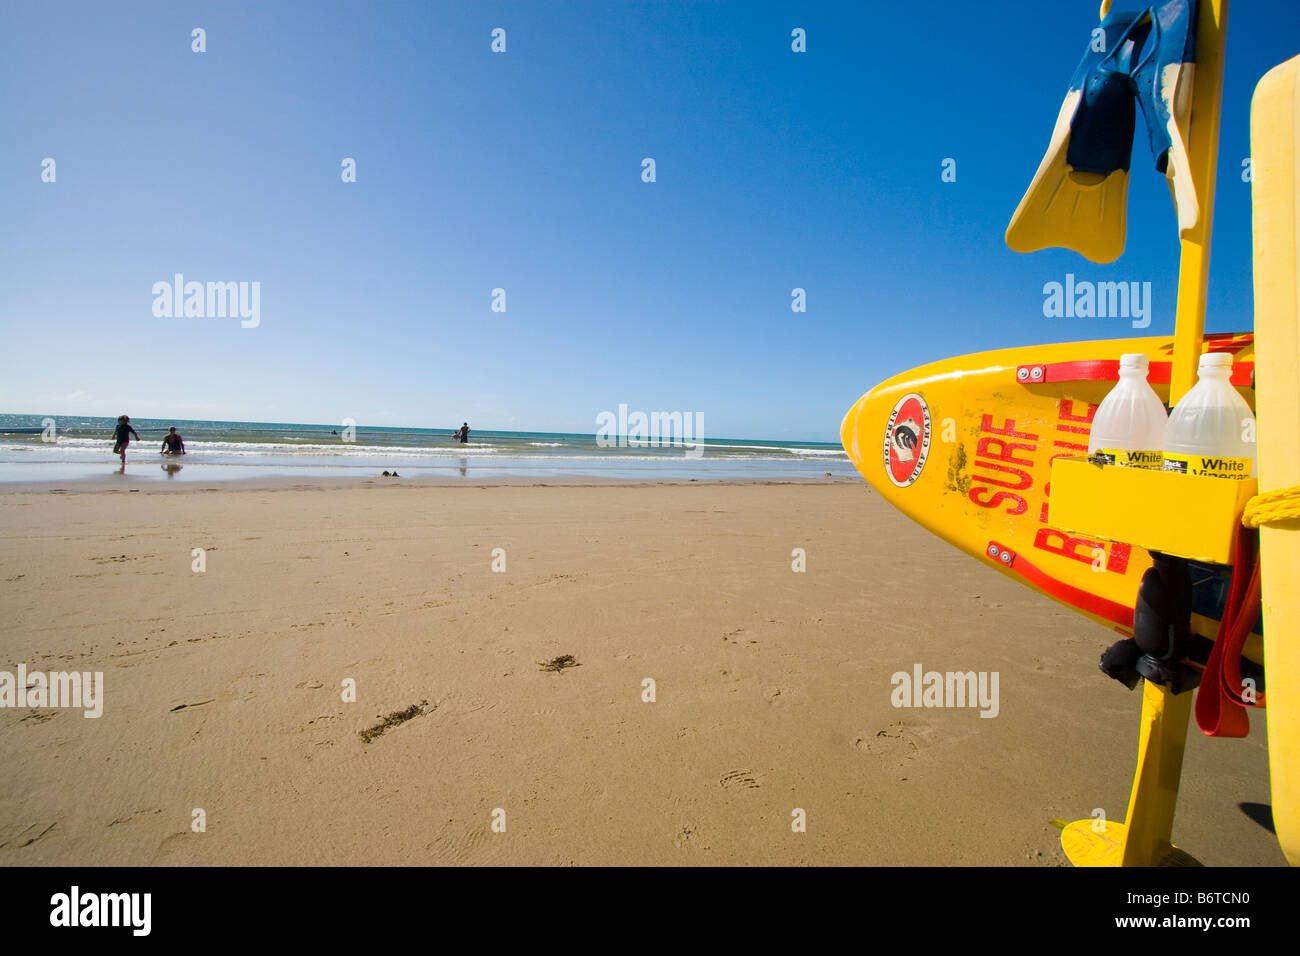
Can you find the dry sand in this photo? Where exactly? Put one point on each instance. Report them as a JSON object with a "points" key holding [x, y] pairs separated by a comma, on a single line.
{"points": [[772, 687]]}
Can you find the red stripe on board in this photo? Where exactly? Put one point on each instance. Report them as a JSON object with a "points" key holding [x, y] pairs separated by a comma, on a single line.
{"points": [[1121, 614], [1107, 370]]}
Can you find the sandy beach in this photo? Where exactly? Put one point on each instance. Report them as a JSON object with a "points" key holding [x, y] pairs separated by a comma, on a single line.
{"points": [[223, 689]]}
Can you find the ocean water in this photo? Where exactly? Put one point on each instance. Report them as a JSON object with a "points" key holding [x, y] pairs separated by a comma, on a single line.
{"points": [[83, 448]]}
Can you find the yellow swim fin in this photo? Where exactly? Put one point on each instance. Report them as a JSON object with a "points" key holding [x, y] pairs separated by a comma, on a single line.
{"points": [[1078, 209], [1079, 196]]}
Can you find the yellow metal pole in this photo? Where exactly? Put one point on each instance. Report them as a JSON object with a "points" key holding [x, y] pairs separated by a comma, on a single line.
{"points": [[1148, 832], [1202, 153], [1163, 734]]}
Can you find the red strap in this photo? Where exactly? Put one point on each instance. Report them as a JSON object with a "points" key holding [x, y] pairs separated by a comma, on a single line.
{"points": [[1107, 370], [1242, 624], [1121, 614], [1219, 704]]}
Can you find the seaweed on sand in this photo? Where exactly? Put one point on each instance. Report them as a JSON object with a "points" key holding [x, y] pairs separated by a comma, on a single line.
{"points": [[557, 664], [392, 720]]}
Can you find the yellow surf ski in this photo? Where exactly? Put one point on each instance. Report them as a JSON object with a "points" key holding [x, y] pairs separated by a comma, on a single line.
{"points": [[965, 448]]}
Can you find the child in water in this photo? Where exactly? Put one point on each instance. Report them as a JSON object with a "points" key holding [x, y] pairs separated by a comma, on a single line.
{"points": [[122, 435]]}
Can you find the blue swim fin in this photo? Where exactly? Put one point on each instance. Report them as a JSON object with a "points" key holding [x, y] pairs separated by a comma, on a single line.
{"points": [[1162, 81], [1078, 198]]}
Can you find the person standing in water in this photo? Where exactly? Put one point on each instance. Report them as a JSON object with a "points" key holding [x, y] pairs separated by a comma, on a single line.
{"points": [[463, 434], [122, 436], [172, 444]]}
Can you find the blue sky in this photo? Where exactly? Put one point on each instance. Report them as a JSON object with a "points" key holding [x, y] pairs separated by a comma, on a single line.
{"points": [[522, 171]]}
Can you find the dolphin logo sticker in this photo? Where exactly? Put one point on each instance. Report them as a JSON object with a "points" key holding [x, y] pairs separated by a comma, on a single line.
{"points": [[907, 440]]}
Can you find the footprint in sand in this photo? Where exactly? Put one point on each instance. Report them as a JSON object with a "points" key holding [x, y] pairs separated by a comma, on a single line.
{"points": [[896, 743], [688, 836]]}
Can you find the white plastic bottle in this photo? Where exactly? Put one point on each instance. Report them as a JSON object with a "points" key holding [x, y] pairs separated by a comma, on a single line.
{"points": [[1129, 426], [1211, 431]]}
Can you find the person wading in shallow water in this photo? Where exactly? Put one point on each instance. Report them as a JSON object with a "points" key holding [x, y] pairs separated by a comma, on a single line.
{"points": [[172, 443], [122, 436], [463, 434]]}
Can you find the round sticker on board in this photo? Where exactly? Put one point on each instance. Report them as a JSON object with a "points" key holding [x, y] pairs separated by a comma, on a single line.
{"points": [[907, 440]]}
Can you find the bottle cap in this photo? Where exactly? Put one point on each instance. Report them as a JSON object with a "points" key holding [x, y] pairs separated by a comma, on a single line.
{"points": [[1133, 360], [1216, 360]]}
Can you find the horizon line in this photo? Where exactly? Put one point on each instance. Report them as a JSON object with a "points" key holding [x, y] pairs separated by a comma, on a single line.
{"points": [[429, 428]]}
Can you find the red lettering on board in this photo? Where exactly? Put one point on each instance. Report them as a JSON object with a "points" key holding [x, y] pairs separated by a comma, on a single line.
{"points": [[1009, 429], [998, 497], [1025, 480], [1006, 450], [1065, 411], [1068, 547], [1117, 559]]}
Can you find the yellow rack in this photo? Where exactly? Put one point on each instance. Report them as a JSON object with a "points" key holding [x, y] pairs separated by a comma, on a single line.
{"points": [[1189, 516]]}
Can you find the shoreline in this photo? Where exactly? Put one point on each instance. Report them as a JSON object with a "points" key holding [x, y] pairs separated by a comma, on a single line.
{"points": [[114, 483]]}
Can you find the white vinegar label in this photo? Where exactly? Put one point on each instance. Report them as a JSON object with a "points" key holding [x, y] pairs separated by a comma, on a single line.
{"points": [[1214, 467], [1130, 459]]}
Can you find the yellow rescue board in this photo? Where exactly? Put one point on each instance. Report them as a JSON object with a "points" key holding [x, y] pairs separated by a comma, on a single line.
{"points": [[965, 446], [1274, 128]]}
